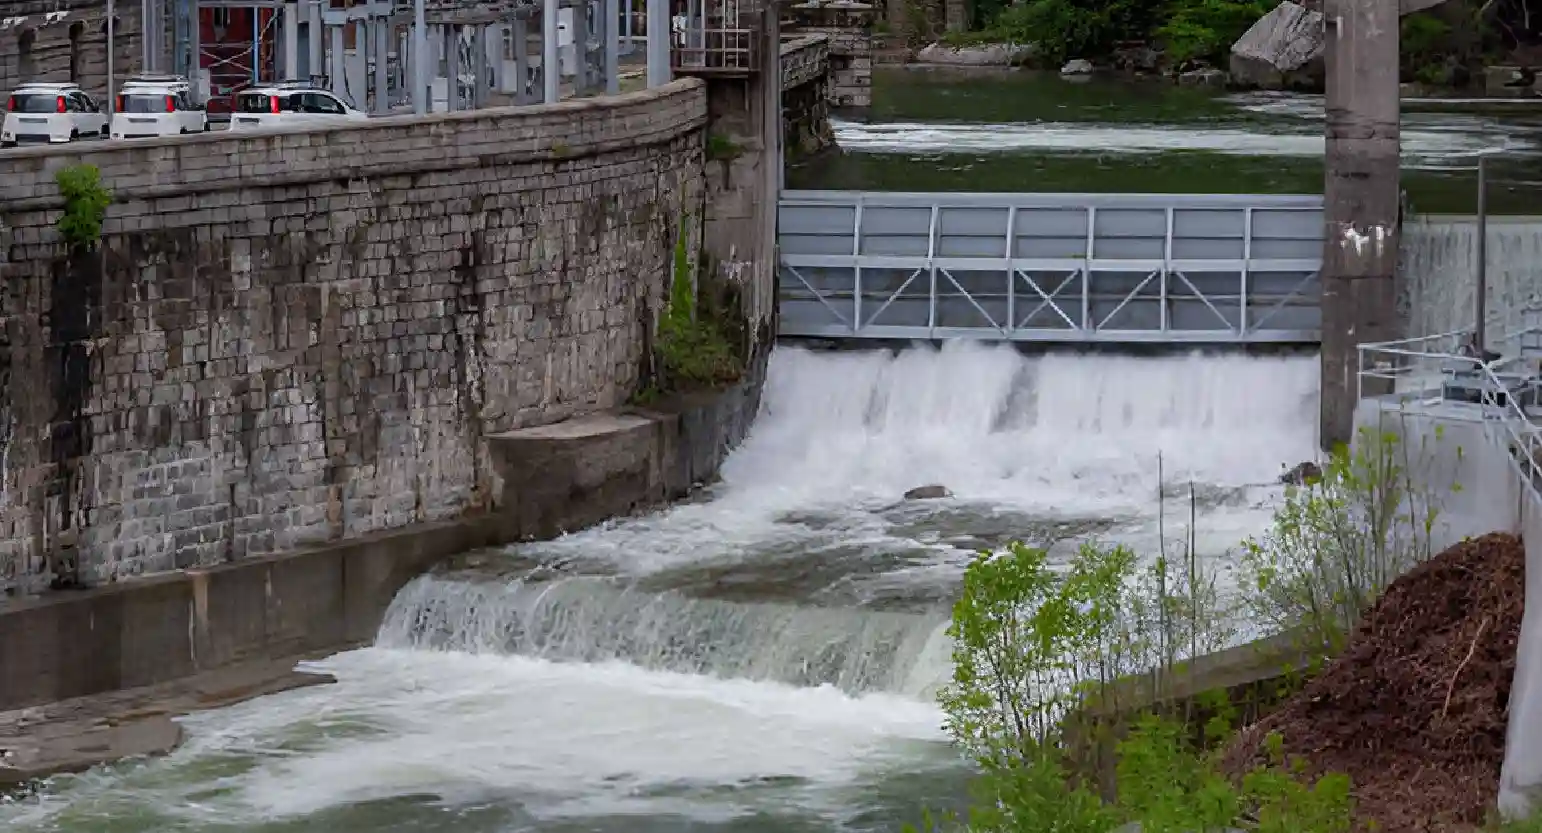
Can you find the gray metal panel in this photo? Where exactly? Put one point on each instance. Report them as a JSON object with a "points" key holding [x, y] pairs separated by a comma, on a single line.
{"points": [[1135, 268]]}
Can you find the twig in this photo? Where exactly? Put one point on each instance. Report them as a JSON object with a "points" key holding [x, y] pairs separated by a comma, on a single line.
{"points": [[1451, 686]]}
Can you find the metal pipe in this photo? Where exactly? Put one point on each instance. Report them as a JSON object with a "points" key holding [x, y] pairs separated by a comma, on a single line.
{"points": [[551, 72], [1480, 331], [658, 43], [610, 23], [420, 94], [112, 34]]}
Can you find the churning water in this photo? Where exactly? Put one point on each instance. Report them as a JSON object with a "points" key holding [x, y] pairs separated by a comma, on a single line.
{"points": [[762, 658]]}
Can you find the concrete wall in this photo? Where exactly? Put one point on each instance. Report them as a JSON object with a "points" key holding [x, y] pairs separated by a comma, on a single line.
{"points": [[1439, 276], [66, 40], [152, 629], [300, 337], [806, 95]]}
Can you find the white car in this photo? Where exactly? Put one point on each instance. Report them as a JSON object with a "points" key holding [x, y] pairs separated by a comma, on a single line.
{"points": [[290, 105], [51, 113], [157, 105]]}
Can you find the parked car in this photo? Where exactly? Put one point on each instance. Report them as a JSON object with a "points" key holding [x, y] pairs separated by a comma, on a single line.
{"points": [[50, 113], [289, 105], [157, 105]]}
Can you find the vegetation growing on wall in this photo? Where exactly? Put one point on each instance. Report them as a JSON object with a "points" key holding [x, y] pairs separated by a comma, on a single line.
{"points": [[85, 205], [694, 348]]}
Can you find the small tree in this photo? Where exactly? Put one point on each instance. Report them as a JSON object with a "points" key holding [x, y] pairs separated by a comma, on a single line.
{"points": [[1339, 539]]}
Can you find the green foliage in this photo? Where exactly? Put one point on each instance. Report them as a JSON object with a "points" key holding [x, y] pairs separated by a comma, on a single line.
{"points": [[1062, 29], [85, 205], [691, 345], [1339, 540], [1034, 639], [1205, 29]]}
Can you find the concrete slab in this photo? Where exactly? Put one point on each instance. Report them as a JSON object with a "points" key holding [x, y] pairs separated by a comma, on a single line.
{"points": [[75, 735]]}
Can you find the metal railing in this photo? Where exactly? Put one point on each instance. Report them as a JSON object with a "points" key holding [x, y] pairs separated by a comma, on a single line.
{"points": [[1112, 268], [714, 36], [1505, 393]]}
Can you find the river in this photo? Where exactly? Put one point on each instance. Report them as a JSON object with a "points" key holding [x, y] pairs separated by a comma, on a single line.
{"points": [[936, 129], [764, 657]]}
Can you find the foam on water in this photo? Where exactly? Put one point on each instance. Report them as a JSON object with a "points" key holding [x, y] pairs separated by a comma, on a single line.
{"points": [[847, 433], [555, 739], [509, 704], [1431, 142]]}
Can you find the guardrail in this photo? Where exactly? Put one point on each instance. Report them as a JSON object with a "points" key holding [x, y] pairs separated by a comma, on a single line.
{"points": [[1447, 368]]}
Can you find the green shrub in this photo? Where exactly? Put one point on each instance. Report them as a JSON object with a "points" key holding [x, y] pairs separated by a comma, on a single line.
{"points": [[1339, 540], [85, 205], [692, 348]]}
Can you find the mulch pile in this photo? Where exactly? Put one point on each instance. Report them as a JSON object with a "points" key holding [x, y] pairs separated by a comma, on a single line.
{"points": [[1415, 709]]}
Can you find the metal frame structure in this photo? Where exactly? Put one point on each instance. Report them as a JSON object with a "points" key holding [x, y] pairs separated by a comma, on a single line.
{"points": [[404, 48], [715, 37], [1073, 268], [1505, 393]]}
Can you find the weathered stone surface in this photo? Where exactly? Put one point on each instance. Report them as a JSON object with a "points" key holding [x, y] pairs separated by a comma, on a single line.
{"points": [[848, 27], [1284, 48], [984, 55], [304, 336], [1203, 78], [76, 734], [1077, 66], [932, 492], [806, 94], [1286, 41]]}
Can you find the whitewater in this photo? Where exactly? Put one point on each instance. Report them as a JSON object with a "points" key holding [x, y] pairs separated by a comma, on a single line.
{"points": [[762, 657]]}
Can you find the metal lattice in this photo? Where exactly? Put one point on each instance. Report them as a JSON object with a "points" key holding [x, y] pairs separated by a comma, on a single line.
{"points": [[1051, 267]]}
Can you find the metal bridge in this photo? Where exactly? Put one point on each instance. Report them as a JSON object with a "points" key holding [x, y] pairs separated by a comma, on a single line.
{"points": [[1071, 268]]}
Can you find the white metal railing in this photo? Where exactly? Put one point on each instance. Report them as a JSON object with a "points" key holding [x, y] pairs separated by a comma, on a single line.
{"points": [[1050, 267], [1508, 389]]}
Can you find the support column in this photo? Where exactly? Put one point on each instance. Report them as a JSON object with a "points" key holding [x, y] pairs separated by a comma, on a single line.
{"points": [[291, 57], [420, 95], [315, 40], [551, 63], [451, 68], [1360, 244], [380, 45], [658, 43], [523, 93], [610, 23]]}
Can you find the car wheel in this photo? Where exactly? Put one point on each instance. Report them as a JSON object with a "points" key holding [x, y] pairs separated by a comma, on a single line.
{"points": [[104, 131]]}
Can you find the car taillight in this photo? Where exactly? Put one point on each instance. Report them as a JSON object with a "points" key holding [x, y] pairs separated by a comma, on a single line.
{"points": [[171, 104], [59, 104], [10, 104], [273, 104], [120, 104]]}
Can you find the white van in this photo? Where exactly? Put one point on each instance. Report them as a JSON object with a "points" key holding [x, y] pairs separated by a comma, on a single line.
{"points": [[157, 105], [289, 105], [50, 113]]}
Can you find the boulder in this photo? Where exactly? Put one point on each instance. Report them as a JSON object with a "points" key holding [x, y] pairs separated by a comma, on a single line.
{"points": [[1284, 48], [932, 492], [982, 55], [1302, 474], [1077, 66]]}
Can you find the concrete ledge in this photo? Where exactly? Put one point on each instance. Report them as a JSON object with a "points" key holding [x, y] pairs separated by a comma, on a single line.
{"points": [[558, 478], [77, 734]]}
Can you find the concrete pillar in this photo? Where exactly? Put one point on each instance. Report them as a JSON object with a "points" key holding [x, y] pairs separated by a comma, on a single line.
{"points": [[521, 38], [1360, 191], [380, 45], [452, 100], [337, 70], [610, 23], [290, 68], [316, 40], [551, 64], [658, 43]]}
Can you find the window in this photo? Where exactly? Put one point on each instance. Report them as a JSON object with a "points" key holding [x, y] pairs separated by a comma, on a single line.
{"points": [[86, 103], [144, 103], [319, 103], [34, 103], [252, 103]]}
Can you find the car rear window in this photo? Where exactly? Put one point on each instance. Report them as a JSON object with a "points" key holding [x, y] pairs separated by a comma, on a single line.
{"points": [[143, 102], [34, 103], [252, 103]]}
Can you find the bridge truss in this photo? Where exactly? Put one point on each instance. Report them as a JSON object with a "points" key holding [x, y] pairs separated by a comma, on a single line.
{"points": [[1074, 268]]}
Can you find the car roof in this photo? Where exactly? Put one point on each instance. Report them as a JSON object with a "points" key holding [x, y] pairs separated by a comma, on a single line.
{"points": [[284, 87], [155, 78], [48, 86]]}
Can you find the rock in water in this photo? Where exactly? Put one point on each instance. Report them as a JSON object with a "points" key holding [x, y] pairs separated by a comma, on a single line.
{"points": [[1281, 44], [1077, 66], [1302, 474], [984, 55], [932, 492]]}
